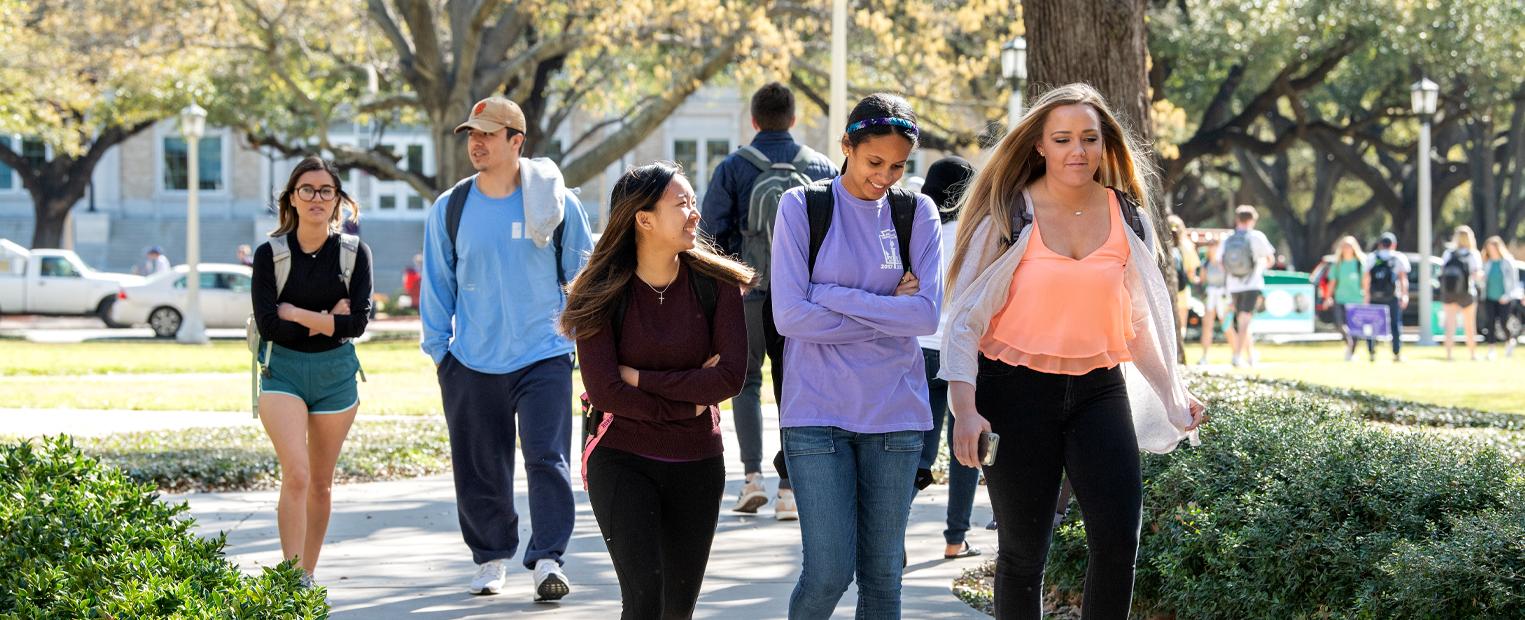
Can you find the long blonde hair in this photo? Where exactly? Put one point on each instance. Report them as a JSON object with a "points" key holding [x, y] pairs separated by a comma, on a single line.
{"points": [[288, 211], [1015, 164], [1349, 241], [1465, 238], [594, 293], [1500, 249]]}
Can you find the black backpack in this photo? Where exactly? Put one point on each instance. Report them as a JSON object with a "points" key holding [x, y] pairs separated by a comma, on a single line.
{"points": [[819, 204], [457, 205], [1384, 280], [1456, 274]]}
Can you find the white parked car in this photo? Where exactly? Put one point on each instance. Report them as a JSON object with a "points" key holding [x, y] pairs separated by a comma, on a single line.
{"points": [[160, 301], [56, 282]]}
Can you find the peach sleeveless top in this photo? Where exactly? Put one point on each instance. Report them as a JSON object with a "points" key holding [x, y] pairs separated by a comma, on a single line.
{"points": [[1066, 316]]}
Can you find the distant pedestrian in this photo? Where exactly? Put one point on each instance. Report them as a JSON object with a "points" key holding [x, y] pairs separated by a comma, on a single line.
{"points": [[1247, 253], [1461, 270], [1217, 304], [154, 261], [1346, 272], [1501, 293], [1386, 283], [245, 255]]}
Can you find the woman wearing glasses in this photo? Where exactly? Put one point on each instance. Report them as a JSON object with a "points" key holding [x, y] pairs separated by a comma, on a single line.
{"points": [[312, 292]]}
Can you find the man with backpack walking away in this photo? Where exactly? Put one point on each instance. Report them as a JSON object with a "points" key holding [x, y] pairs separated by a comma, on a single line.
{"points": [[1386, 283], [739, 209], [499, 249], [1246, 255]]}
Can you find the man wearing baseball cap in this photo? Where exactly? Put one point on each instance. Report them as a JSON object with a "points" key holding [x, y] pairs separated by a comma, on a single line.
{"points": [[1386, 283], [498, 249]]}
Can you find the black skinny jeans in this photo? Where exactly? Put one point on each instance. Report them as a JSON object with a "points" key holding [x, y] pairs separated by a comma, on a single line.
{"points": [[1080, 426], [658, 521]]}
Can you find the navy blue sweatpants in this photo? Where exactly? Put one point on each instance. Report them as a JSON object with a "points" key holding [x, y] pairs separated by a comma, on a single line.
{"points": [[480, 412]]}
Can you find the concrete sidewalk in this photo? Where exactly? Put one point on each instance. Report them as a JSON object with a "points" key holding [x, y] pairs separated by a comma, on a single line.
{"points": [[394, 550]]}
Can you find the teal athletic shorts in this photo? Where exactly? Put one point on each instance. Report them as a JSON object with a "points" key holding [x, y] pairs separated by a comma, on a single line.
{"points": [[324, 381]]}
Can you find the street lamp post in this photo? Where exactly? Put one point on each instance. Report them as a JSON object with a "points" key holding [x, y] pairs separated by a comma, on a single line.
{"points": [[1014, 71], [192, 125], [1425, 94]]}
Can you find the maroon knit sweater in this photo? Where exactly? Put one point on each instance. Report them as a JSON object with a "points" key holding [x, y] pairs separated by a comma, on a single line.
{"points": [[667, 343]]}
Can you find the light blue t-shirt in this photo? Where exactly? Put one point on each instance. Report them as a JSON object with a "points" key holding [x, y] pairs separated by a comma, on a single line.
{"points": [[496, 312]]}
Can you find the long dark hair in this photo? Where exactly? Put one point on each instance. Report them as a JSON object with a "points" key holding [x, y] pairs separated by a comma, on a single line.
{"points": [[288, 211], [592, 296]]}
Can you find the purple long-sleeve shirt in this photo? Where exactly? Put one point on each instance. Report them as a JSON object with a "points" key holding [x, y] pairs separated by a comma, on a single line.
{"points": [[851, 357]]}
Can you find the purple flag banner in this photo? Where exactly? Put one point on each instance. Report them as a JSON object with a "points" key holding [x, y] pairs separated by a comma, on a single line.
{"points": [[1368, 321]]}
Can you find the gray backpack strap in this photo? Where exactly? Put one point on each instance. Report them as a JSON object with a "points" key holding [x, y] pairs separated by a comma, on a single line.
{"points": [[349, 248], [280, 256], [802, 158], [755, 157]]}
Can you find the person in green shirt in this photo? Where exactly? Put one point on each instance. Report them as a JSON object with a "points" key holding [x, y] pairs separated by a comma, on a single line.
{"points": [[1345, 273], [1501, 291]]}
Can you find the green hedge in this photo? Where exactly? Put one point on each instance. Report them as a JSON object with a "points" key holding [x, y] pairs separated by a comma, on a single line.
{"points": [[1294, 508], [241, 458], [81, 540]]}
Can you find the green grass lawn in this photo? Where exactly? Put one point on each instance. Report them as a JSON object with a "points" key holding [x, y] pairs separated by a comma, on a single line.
{"points": [[167, 376], [1423, 376]]}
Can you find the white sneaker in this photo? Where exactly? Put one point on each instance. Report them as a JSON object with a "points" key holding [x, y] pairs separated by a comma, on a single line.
{"points": [[753, 494], [1236, 363], [784, 508], [550, 583], [1202, 361], [489, 579]]}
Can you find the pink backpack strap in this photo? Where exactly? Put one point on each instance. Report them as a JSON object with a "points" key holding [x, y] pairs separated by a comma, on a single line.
{"points": [[587, 448]]}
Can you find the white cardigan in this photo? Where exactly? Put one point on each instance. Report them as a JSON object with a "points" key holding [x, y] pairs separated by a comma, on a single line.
{"points": [[1155, 391]]}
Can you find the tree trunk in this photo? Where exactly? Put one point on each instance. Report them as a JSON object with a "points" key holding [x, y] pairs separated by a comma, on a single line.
{"points": [[1099, 42], [51, 214]]}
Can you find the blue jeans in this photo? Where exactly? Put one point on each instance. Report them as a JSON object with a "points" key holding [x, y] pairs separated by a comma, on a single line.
{"points": [[854, 492], [962, 480]]}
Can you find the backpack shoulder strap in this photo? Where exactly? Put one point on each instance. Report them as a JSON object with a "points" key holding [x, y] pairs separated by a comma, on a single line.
{"points": [[453, 209], [704, 288], [558, 239], [1021, 217], [349, 248], [903, 214], [818, 206], [803, 158], [280, 255], [1131, 211], [754, 157]]}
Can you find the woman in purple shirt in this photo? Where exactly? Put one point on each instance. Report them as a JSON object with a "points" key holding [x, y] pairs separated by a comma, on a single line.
{"points": [[855, 396]]}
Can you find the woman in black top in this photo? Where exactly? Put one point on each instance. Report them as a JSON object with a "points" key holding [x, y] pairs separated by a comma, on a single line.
{"points": [[308, 395]]}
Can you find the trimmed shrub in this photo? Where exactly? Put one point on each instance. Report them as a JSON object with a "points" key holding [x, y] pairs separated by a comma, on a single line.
{"points": [[81, 540], [1294, 508]]}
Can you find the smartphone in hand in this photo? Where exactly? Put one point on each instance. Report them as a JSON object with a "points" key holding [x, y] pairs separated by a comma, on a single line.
{"points": [[989, 443]]}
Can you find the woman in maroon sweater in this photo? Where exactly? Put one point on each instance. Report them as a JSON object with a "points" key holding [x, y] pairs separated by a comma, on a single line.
{"points": [[654, 470]]}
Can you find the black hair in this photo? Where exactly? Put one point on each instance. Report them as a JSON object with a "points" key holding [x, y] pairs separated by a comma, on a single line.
{"points": [[881, 105], [946, 180], [773, 107]]}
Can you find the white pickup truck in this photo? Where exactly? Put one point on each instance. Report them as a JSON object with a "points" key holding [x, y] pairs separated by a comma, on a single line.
{"points": [[56, 282]]}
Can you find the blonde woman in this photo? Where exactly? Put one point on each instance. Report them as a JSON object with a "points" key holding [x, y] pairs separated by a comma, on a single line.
{"points": [[1346, 272], [1461, 271], [308, 396], [1060, 339], [1501, 290]]}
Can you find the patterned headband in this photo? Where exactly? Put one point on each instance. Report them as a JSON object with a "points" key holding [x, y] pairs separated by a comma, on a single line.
{"points": [[890, 120]]}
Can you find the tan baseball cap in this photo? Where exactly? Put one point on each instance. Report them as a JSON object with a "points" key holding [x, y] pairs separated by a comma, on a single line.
{"points": [[492, 114]]}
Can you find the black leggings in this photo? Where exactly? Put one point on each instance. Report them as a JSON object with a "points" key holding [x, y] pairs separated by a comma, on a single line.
{"points": [[1080, 426], [1493, 321], [658, 520]]}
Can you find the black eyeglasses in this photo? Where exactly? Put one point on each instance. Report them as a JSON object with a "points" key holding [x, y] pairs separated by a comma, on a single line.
{"points": [[308, 192]]}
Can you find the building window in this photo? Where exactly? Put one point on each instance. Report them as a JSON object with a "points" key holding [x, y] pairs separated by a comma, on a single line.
{"points": [[686, 153], [416, 158], [7, 176], [386, 202], [714, 152], [34, 152], [209, 158], [415, 203], [553, 149]]}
